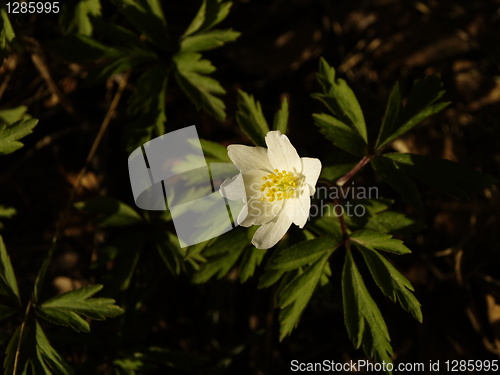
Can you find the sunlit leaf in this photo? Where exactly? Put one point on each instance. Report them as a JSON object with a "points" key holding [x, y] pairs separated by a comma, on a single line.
{"points": [[69, 309], [392, 283], [340, 134], [294, 297], [192, 75], [340, 100], [364, 322], [304, 253], [11, 134], [281, 118], [251, 119], [379, 241]]}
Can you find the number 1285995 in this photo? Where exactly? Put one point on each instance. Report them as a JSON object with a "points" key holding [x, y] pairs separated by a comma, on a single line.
{"points": [[33, 7]]}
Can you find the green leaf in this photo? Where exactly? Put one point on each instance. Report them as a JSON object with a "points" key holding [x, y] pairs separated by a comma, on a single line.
{"points": [[398, 179], [423, 102], [304, 253], [6, 213], [8, 281], [35, 352], [281, 118], [340, 134], [222, 255], [443, 175], [392, 111], [393, 222], [11, 115], [340, 100], [11, 134], [68, 309], [210, 14], [251, 259], [208, 40], [391, 282], [170, 252], [110, 212], [364, 322], [6, 34], [380, 241], [251, 119], [147, 105], [148, 18], [192, 75], [49, 359], [215, 150], [293, 298], [76, 17]]}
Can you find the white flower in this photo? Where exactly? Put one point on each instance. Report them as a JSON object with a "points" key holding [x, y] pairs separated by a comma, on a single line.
{"points": [[277, 187]]}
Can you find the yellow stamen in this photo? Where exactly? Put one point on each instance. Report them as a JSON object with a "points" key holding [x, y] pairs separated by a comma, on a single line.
{"points": [[278, 186]]}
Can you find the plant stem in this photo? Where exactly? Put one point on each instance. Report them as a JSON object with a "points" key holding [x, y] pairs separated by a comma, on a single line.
{"points": [[349, 175], [21, 333]]}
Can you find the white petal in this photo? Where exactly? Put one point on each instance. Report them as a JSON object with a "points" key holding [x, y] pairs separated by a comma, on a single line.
{"points": [[253, 182], [270, 233], [281, 153], [247, 158], [311, 168], [297, 209], [260, 212], [233, 188]]}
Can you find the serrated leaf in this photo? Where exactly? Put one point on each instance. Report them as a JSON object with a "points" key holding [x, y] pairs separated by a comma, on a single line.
{"points": [[147, 105], [281, 118], [36, 353], [364, 322], [340, 134], [423, 102], [294, 297], [68, 309], [76, 17], [251, 259], [8, 281], [192, 75], [251, 119], [304, 253], [210, 14], [391, 282], [110, 212], [340, 99], [11, 134], [208, 40], [379, 241], [147, 17], [49, 359], [443, 175], [399, 180]]}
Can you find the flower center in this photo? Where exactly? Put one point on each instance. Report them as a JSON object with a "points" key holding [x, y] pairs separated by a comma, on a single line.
{"points": [[278, 186]]}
